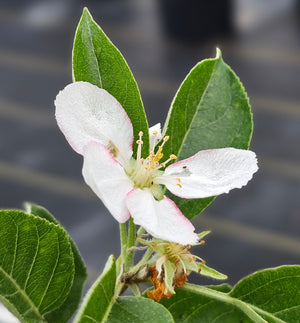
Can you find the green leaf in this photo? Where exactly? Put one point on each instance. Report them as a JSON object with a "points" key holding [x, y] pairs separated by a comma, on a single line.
{"points": [[275, 291], [36, 265], [270, 295], [130, 309], [224, 288], [209, 272], [210, 110], [100, 298], [98, 61], [101, 303], [67, 309]]}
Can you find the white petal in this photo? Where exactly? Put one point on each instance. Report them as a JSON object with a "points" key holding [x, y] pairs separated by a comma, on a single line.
{"points": [[107, 179], [154, 135], [210, 172], [162, 219], [87, 113]]}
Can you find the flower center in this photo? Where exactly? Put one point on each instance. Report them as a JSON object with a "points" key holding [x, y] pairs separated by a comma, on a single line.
{"points": [[146, 169]]}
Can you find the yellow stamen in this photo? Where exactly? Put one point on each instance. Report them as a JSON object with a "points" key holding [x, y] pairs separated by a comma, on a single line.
{"points": [[179, 185], [173, 156]]}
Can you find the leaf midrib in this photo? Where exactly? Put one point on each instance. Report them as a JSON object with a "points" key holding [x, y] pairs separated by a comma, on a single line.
{"points": [[93, 49], [250, 310], [22, 292], [264, 285], [199, 104]]}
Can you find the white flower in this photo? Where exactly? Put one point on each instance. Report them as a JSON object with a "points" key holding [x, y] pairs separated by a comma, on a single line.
{"points": [[97, 127]]}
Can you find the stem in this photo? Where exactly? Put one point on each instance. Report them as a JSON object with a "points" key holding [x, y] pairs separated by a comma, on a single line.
{"points": [[131, 233], [225, 298], [135, 290], [123, 238], [130, 243], [141, 230], [142, 262]]}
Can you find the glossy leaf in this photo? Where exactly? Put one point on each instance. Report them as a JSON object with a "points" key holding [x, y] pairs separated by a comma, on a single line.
{"points": [[67, 309], [100, 298], [36, 265], [210, 110], [270, 295], [98, 61], [130, 309]]}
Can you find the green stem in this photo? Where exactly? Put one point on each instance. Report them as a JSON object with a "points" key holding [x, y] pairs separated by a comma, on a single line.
{"points": [[143, 261], [131, 233], [123, 238], [130, 243], [140, 231], [225, 298]]}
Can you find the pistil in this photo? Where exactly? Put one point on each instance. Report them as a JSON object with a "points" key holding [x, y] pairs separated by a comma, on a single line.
{"points": [[145, 169]]}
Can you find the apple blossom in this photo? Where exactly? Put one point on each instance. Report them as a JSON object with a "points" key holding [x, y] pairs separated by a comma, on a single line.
{"points": [[171, 265], [97, 127]]}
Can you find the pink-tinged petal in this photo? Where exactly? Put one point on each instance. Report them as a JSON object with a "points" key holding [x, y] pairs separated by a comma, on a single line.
{"points": [[162, 219], [87, 113], [107, 178], [209, 173]]}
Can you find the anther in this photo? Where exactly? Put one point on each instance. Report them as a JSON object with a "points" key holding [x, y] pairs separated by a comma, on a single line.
{"points": [[154, 133], [173, 156], [141, 133], [166, 138], [202, 242], [139, 142], [179, 185], [199, 269], [203, 262], [154, 245], [163, 165]]}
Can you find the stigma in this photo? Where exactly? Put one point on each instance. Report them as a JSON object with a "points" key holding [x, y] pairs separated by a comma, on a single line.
{"points": [[146, 169]]}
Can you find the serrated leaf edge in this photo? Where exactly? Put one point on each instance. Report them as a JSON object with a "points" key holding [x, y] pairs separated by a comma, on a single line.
{"points": [[110, 262], [33, 306]]}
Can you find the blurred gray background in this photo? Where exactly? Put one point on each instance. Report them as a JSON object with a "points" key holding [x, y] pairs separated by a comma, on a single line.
{"points": [[162, 40]]}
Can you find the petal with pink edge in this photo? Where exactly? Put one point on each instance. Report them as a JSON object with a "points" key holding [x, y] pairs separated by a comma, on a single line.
{"points": [[87, 113], [209, 173], [162, 219], [107, 179]]}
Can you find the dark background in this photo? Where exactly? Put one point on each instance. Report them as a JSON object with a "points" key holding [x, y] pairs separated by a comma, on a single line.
{"points": [[252, 228]]}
